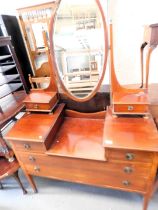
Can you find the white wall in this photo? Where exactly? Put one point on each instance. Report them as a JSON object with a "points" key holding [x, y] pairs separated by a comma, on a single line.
{"points": [[129, 17]]}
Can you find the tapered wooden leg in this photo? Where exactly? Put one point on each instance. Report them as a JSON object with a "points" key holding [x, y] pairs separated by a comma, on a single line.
{"points": [[155, 188], [31, 182], [1, 186], [16, 177], [146, 201]]}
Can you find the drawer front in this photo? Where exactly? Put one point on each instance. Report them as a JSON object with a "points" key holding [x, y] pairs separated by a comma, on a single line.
{"points": [[130, 108], [37, 106], [104, 180], [129, 155], [122, 176], [130, 169], [42, 106], [25, 146]]}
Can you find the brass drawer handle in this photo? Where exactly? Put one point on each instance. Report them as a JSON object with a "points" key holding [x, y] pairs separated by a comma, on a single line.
{"points": [[37, 168], [128, 170], [126, 183], [130, 156], [32, 159], [130, 108], [27, 146], [36, 106]]}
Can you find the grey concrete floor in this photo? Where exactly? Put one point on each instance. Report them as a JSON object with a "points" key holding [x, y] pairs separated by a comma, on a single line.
{"points": [[58, 195]]}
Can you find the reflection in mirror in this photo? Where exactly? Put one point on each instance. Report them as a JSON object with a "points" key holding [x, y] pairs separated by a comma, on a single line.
{"points": [[79, 45], [40, 56], [36, 40], [34, 22]]}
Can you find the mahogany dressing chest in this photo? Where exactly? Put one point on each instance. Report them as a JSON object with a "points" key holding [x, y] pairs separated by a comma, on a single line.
{"points": [[114, 148]]}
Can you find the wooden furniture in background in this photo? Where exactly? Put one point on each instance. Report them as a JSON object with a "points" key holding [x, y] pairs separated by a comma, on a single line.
{"points": [[151, 41], [12, 83], [155, 187], [9, 26], [38, 82], [9, 166]]}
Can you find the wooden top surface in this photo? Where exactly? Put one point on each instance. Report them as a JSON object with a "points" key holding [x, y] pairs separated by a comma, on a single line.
{"points": [[130, 133], [79, 138], [39, 97], [34, 127], [130, 98]]}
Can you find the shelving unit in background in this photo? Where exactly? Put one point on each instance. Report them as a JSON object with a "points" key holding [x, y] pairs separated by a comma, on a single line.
{"points": [[12, 83]]}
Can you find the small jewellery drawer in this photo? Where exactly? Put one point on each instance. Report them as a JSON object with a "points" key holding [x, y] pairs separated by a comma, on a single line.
{"points": [[37, 106], [130, 108], [129, 155], [25, 146], [40, 101]]}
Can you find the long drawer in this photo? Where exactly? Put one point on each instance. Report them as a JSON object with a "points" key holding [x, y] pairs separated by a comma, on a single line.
{"points": [[131, 177]]}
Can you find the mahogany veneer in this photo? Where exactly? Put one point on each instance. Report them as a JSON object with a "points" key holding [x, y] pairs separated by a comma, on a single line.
{"points": [[141, 134], [125, 100], [35, 131], [40, 100], [79, 138], [85, 150], [90, 148], [129, 103]]}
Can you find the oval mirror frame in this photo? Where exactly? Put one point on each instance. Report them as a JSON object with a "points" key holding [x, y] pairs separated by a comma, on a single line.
{"points": [[54, 64]]}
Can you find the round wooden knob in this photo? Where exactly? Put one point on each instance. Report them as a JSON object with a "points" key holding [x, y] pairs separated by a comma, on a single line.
{"points": [[37, 168], [36, 106], [128, 170], [27, 146], [130, 108], [126, 183], [32, 159], [130, 156]]}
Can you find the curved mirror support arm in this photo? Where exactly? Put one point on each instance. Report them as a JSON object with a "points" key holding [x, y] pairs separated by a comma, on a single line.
{"points": [[53, 81], [115, 85]]}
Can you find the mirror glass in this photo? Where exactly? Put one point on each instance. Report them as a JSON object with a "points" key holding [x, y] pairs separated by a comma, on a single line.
{"points": [[79, 46], [35, 25]]}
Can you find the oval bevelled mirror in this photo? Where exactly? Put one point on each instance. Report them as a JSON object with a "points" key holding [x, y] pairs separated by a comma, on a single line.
{"points": [[80, 47]]}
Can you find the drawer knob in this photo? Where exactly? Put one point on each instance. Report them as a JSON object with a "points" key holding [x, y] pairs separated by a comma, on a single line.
{"points": [[126, 183], [130, 156], [32, 159], [27, 146], [36, 106], [37, 168], [128, 170], [130, 108]]}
